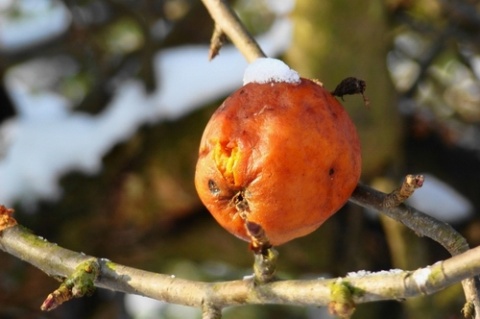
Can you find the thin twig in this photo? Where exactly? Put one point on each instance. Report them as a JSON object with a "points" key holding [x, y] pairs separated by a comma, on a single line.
{"points": [[217, 41], [422, 225], [227, 20], [400, 195]]}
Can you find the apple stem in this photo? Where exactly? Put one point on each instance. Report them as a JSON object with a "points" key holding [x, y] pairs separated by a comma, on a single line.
{"points": [[266, 256], [265, 265]]}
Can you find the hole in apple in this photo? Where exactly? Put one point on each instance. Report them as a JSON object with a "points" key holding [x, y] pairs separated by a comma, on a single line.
{"points": [[241, 204], [213, 187]]}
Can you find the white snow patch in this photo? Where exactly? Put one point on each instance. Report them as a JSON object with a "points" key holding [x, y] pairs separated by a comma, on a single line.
{"points": [[438, 199], [363, 273], [44, 147], [266, 70], [38, 21], [420, 276], [357, 274], [249, 277]]}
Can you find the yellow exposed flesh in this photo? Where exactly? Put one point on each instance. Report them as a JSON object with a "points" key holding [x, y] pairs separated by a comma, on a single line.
{"points": [[226, 157]]}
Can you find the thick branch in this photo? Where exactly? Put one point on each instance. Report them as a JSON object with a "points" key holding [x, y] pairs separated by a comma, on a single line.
{"points": [[60, 262]]}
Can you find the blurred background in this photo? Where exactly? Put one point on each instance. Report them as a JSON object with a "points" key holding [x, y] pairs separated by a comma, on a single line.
{"points": [[103, 102]]}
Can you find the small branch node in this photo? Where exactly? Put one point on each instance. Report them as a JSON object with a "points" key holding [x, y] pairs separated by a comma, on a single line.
{"points": [[210, 311], [6, 219], [56, 298], [341, 304], [80, 283], [216, 43], [468, 310], [400, 195]]}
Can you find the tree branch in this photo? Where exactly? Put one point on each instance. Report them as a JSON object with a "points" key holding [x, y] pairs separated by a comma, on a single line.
{"points": [[227, 21], [212, 297], [423, 225]]}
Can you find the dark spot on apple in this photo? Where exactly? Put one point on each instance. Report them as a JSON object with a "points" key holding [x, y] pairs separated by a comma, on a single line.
{"points": [[213, 187]]}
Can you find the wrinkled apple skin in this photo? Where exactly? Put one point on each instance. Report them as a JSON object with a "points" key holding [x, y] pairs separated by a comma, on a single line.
{"points": [[285, 156]]}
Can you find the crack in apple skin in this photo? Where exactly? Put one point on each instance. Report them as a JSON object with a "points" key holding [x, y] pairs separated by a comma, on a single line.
{"points": [[226, 156]]}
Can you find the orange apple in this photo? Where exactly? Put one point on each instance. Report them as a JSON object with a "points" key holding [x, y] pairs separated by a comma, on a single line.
{"points": [[284, 155]]}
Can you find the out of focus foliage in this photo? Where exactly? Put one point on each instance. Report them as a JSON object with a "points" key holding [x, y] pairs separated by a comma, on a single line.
{"points": [[434, 63]]}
